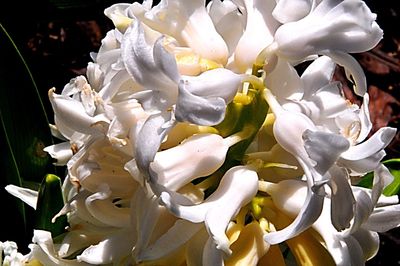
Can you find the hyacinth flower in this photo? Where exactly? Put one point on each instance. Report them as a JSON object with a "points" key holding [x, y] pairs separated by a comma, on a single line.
{"points": [[193, 139], [351, 246]]}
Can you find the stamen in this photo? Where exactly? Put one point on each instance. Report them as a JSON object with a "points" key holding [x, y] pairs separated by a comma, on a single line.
{"points": [[239, 136], [266, 186], [273, 103], [254, 81]]}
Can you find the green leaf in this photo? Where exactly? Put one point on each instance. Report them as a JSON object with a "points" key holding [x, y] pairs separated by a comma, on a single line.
{"points": [[241, 115], [394, 167], [393, 188], [248, 115], [23, 115], [50, 202], [24, 132], [366, 180]]}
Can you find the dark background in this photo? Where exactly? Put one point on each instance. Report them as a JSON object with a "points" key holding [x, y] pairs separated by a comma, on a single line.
{"points": [[56, 37]]}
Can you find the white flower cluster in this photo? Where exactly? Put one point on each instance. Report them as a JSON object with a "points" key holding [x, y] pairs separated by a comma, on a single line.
{"points": [[11, 255], [194, 139]]}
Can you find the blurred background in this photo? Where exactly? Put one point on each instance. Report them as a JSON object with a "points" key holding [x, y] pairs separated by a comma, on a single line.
{"points": [[55, 38]]}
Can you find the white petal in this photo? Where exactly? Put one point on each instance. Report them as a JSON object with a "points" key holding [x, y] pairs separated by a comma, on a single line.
{"points": [[355, 251], [289, 10], [62, 152], [342, 199], [258, 34], [149, 139], [77, 206], [209, 84], [290, 87], [72, 113], [289, 127], [324, 148], [373, 145], [365, 120], [352, 69], [145, 212], [174, 166], [110, 89], [189, 23], [43, 250], [237, 188], [383, 219], [100, 205], [226, 17], [99, 162], [212, 256], [364, 207], [311, 206], [144, 61], [27, 195], [318, 74], [205, 111], [363, 166], [382, 178], [114, 249], [118, 13], [368, 241], [347, 26], [176, 237], [334, 243]]}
